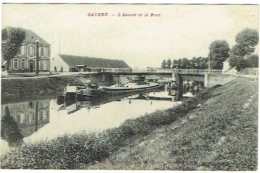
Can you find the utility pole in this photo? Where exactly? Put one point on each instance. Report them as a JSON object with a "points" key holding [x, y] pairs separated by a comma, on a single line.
{"points": [[59, 40], [209, 64], [36, 116], [37, 57], [207, 77]]}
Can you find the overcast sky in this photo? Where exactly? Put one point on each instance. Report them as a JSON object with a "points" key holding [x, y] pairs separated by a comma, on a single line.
{"points": [[180, 31]]}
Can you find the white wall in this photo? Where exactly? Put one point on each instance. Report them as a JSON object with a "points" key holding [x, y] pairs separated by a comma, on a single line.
{"points": [[225, 66], [58, 62]]}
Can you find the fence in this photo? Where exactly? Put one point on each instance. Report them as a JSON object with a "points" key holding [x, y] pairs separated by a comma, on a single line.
{"points": [[180, 71]]}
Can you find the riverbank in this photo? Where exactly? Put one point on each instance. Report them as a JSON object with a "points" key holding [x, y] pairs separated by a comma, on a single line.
{"points": [[40, 87], [204, 133], [15, 89]]}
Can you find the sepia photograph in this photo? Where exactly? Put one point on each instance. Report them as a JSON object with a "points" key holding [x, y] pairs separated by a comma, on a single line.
{"points": [[129, 86]]}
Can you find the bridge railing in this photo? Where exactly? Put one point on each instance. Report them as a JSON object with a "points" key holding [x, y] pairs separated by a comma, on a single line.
{"points": [[197, 71], [180, 71], [154, 70]]}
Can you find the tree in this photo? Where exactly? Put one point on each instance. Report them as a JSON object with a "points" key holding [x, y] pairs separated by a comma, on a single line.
{"points": [[169, 63], [179, 63], [12, 46], [163, 64], [219, 52], [175, 63], [204, 63], [252, 61], [238, 62], [185, 63], [246, 40], [9, 129], [193, 62]]}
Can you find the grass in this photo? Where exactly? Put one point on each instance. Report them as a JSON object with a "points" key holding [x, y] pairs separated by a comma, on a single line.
{"points": [[213, 131], [221, 134]]}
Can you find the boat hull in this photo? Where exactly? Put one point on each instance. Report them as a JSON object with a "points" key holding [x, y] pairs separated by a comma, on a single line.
{"points": [[92, 93]]}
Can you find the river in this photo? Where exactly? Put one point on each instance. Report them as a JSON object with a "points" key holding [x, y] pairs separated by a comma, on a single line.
{"points": [[46, 119]]}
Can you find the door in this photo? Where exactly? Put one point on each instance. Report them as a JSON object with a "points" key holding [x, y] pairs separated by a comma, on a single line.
{"points": [[31, 66]]}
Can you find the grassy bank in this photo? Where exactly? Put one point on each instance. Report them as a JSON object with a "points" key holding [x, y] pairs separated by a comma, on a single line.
{"points": [[221, 134], [23, 88], [218, 134]]}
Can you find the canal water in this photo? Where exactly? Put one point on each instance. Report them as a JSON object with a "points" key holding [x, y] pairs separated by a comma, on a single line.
{"points": [[46, 119]]}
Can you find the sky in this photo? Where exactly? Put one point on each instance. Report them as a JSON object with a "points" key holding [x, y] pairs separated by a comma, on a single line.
{"points": [[179, 31]]}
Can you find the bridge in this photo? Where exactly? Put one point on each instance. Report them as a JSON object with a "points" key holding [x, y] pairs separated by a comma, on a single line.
{"points": [[177, 76], [201, 72]]}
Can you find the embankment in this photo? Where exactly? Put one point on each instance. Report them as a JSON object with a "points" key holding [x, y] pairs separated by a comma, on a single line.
{"points": [[24, 88], [27, 88], [220, 134]]}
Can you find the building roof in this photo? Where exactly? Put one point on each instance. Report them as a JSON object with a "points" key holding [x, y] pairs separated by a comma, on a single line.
{"points": [[30, 36], [73, 61]]}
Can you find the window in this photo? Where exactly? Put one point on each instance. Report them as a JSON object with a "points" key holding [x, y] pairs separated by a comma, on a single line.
{"points": [[28, 64], [28, 50], [11, 64], [22, 50], [39, 51], [42, 49], [49, 52], [31, 51], [15, 64], [23, 64], [25, 49], [44, 65]]}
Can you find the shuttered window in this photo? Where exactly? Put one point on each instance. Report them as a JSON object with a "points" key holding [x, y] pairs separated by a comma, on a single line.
{"points": [[42, 51], [15, 64], [23, 64]]}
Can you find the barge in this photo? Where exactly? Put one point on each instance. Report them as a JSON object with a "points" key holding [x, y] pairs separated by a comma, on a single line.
{"points": [[117, 89]]}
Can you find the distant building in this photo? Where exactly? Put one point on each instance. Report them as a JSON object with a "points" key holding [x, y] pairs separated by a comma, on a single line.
{"points": [[25, 61], [71, 63], [249, 71]]}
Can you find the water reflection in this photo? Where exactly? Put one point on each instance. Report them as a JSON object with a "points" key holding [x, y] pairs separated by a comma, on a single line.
{"points": [[47, 119], [193, 87], [20, 120], [9, 129], [72, 103]]}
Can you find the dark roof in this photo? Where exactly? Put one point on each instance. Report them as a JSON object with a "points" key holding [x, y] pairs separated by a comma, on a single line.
{"points": [[73, 61], [30, 36]]}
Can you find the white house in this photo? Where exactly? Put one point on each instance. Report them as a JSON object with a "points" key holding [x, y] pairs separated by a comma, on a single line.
{"points": [[226, 65], [227, 69]]}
